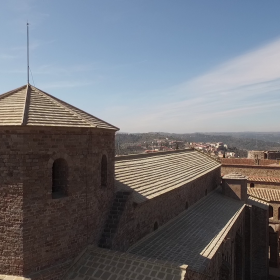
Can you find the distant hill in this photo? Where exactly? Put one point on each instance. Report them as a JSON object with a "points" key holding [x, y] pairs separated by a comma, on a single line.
{"points": [[264, 136], [255, 141]]}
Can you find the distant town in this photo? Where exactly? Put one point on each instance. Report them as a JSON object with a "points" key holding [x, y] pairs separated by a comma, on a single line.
{"points": [[158, 145], [235, 147]]}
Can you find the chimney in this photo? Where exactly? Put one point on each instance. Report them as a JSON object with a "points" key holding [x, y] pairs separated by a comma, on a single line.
{"points": [[234, 185]]}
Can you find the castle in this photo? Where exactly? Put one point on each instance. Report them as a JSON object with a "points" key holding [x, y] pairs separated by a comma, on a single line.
{"points": [[70, 209]]}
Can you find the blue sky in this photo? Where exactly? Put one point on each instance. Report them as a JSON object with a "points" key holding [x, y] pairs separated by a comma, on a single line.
{"points": [[151, 65]]}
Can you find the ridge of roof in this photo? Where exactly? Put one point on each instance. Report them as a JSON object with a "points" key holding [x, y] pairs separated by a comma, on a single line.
{"points": [[146, 155], [235, 176], [26, 106], [30, 106], [67, 104]]}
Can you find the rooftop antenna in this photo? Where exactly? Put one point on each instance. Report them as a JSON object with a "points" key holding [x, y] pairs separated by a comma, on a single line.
{"points": [[27, 25]]}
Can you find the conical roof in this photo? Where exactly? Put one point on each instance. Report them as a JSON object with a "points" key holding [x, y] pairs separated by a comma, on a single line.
{"points": [[31, 106]]}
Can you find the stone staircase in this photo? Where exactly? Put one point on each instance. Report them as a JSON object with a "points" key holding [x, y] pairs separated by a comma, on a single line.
{"points": [[112, 222]]}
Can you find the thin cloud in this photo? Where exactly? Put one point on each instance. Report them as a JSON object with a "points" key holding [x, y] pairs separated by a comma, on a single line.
{"points": [[247, 85], [258, 66]]}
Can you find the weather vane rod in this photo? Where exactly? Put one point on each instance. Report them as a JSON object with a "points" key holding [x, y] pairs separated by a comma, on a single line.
{"points": [[27, 25]]}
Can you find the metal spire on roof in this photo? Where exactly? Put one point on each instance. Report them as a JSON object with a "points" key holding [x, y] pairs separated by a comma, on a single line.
{"points": [[27, 25]]}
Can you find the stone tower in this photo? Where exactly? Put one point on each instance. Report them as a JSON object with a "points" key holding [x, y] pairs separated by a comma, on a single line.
{"points": [[56, 182]]}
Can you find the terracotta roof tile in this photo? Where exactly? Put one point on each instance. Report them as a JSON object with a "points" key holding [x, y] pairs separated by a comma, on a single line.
{"points": [[264, 179], [265, 194]]}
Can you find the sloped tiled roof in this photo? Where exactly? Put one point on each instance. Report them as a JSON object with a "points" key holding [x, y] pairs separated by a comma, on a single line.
{"points": [[97, 263], [193, 237], [265, 194], [152, 175], [264, 179], [31, 106]]}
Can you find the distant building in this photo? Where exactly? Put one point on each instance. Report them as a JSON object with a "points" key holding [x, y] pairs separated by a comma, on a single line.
{"points": [[263, 183], [264, 155]]}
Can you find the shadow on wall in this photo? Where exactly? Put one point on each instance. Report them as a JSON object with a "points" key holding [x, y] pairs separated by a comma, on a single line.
{"points": [[124, 187]]}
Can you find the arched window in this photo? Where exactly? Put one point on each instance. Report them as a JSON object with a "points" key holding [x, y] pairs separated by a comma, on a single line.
{"points": [[270, 211], [155, 225], [104, 171], [186, 205], [59, 178], [252, 185]]}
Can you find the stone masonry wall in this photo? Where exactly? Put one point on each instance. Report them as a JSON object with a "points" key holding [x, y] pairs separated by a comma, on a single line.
{"points": [[52, 231], [138, 220], [247, 170], [273, 155], [259, 239], [246, 161], [276, 212], [256, 154], [269, 185], [226, 251], [251, 226], [11, 217]]}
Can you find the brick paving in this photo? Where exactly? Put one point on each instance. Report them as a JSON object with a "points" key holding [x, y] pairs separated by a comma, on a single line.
{"points": [[194, 236], [152, 176], [104, 264]]}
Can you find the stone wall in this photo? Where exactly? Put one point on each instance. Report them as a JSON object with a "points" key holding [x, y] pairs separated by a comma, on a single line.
{"points": [[138, 219], [256, 154], [225, 254], [259, 245], [273, 155], [249, 170], [246, 161], [244, 249], [47, 231], [276, 211], [266, 155], [11, 217], [269, 185]]}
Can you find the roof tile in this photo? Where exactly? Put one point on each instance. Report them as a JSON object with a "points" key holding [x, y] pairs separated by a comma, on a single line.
{"points": [[159, 173], [31, 106], [265, 194]]}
